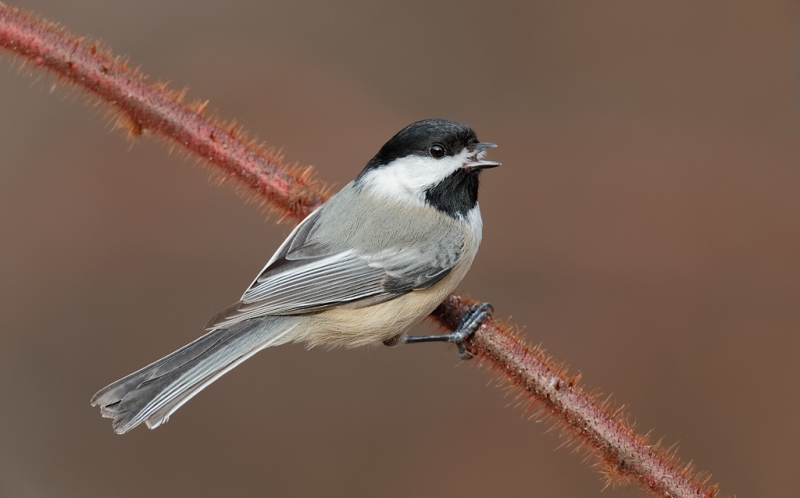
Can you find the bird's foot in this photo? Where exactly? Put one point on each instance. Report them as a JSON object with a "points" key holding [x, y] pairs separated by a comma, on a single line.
{"points": [[466, 327]]}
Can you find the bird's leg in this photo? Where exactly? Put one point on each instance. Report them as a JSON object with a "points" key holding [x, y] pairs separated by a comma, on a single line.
{"points": [[466, 327]]}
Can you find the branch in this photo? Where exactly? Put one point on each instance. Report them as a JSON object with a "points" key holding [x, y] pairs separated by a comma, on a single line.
{"points": [[144, 107]]}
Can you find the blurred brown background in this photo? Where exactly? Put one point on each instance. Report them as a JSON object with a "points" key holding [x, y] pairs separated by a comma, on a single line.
{"points": [[644, 228]]}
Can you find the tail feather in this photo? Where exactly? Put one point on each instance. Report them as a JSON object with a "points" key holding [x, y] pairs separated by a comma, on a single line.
{"points": [[152, 394]]}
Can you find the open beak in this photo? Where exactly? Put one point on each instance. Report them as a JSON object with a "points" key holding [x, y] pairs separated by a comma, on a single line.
{"points": [[478, 162]]}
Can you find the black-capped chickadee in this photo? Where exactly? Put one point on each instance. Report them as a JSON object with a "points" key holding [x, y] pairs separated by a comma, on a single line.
{"points": [[374, 260]]}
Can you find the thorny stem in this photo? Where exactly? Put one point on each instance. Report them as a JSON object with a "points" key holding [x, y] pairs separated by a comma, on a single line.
{"points": [[143, 106]]}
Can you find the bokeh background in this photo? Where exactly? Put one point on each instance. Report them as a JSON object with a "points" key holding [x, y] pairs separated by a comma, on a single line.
{"points": [[644, 229]]}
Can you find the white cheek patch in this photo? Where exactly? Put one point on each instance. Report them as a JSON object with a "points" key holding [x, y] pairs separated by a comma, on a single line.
{"points": [[409, 177]]}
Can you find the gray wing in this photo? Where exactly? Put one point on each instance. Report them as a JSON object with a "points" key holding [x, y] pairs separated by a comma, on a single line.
{"points": [[305, 276]]}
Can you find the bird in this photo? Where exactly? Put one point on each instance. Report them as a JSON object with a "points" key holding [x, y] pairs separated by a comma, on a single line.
{"points": [[372, 261]]}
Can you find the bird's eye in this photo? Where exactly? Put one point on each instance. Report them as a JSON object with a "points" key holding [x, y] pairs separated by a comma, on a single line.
{"points": [[437, 150]]}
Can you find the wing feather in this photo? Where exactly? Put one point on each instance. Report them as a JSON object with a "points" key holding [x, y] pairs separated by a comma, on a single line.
{"points": [[306, 276]]}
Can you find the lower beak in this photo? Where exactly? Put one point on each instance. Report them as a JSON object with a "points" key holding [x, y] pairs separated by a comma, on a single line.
{"points": [[482, 164]]}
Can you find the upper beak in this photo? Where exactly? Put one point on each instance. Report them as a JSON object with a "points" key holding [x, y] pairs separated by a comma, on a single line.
{"points": [[478, 163]]}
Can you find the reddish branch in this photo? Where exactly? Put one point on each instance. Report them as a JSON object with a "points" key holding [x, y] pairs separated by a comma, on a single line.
{"points": [[625, 455], [144, 106]]}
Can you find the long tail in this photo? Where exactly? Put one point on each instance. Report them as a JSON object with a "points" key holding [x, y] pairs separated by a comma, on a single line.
{"points": [[152, 394]]}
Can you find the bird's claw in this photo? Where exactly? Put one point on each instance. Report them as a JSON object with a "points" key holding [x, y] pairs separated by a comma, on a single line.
{"points": [[467, 326]]}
